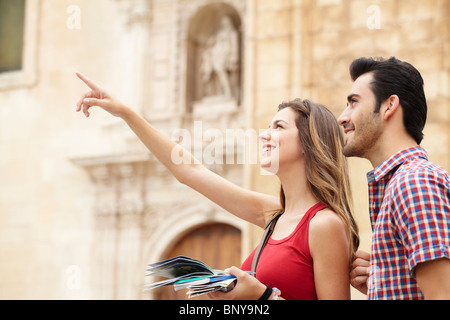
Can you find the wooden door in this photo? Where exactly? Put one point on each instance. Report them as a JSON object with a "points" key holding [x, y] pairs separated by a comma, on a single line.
{"points": [[218, 245]]}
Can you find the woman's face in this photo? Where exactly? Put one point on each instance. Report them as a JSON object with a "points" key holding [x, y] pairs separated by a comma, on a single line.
{"points": [[280, 142]]}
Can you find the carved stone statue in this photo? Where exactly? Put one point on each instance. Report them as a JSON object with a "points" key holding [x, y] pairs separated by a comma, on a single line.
{"points": [[220, 61]]}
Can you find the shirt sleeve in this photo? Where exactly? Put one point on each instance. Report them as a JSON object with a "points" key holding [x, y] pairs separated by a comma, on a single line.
{"points": [[423, 215]]}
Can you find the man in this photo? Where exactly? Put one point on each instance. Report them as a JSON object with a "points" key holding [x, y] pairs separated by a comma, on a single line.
{"points": [[409, 197]]}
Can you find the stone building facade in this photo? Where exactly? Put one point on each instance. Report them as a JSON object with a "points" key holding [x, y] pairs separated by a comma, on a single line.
{"points": [[84, 207]]}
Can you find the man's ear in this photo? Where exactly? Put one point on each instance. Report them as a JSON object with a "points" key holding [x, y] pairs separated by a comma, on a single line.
{"points": [[390, 107]]}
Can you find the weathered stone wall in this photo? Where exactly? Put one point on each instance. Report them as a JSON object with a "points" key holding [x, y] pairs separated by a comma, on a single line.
{"points": [[70, 188]]}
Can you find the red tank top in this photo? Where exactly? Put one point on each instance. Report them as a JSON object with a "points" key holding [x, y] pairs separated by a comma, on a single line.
{"points": [[287, 263]]}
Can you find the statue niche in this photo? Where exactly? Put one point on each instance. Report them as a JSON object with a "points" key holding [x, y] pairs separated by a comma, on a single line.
{"points": [[214, 60], [220, 60]]}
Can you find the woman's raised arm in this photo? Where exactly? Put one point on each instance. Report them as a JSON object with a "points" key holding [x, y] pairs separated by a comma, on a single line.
{"points": [[245, 204]]}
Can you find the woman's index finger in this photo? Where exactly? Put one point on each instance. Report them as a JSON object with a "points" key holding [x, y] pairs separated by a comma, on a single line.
{"points": [[91, 84]]}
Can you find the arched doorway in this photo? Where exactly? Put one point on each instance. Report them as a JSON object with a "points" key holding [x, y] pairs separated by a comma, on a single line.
{"points": [[218, 245]]}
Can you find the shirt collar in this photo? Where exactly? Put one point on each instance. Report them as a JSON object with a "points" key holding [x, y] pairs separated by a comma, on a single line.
{"points": [[396, 160]]}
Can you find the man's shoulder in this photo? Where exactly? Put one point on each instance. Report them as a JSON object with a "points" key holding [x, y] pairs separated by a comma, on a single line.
{"points": [[420, 174], [421, 169]]}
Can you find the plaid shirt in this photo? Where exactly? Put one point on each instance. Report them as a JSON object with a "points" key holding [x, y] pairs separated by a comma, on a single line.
{"points": [[409, 203]]}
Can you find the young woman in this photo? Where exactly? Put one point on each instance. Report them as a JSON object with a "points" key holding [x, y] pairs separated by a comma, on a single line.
{"points": [[309, 253]]}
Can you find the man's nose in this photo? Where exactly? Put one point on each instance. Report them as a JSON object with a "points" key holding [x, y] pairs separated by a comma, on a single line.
{"points": [[344, 118]]}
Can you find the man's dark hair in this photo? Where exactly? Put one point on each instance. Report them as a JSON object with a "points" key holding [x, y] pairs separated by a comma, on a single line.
{"points": [[395, 77]]}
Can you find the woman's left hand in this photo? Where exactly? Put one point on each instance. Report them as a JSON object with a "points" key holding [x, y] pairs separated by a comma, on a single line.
{"points": [[247, 287]]}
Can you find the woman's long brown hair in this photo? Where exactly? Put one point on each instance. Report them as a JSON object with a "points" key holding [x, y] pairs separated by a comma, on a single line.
{"points": [[326, 166]]}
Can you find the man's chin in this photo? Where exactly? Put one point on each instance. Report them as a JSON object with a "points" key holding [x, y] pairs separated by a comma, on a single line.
{"points": [[350, 151]]}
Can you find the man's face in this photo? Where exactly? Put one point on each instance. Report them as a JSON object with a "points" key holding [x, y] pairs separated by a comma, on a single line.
{"points": [[362, 126]]}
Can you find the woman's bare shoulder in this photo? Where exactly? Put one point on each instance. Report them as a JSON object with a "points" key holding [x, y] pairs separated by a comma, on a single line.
{"points": [[327, 219], [327, 227]]}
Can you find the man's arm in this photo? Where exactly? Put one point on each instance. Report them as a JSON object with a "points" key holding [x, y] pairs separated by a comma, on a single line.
{"points": [[359, 272], [426, 206], [433, 278]]}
